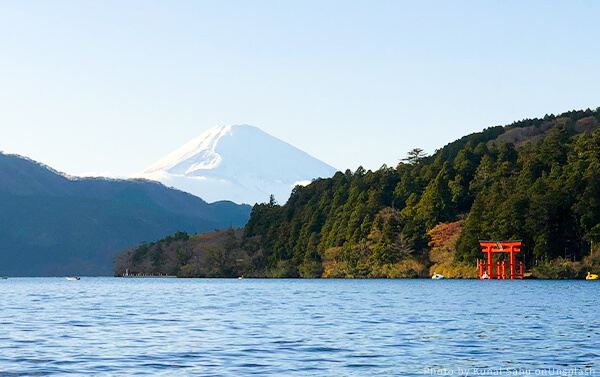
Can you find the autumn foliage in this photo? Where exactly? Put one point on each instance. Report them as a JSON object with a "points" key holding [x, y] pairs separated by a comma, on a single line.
{"points": [[443, 249]]}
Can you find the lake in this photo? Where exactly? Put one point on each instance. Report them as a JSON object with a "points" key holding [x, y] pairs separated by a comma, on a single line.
{"points": [[232, 327]]}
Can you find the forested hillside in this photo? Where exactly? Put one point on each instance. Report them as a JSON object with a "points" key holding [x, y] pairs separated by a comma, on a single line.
{"points": [[536, 180]]}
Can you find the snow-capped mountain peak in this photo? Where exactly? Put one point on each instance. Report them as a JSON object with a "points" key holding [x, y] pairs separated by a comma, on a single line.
{"points": [[239, 163], [200, 149]]}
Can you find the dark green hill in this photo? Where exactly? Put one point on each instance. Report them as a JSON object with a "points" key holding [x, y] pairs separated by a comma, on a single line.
{"points": [[52, 225], [537, 180], [212, 254]]}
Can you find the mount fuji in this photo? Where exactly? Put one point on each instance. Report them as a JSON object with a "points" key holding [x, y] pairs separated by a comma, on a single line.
{"points": [[240, 163]]}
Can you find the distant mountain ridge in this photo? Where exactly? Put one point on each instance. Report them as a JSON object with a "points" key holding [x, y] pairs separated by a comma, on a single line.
{"points": [[52, 224], [239, 163], [527, 130]]}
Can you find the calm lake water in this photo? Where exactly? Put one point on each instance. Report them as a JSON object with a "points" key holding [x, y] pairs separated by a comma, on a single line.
{"points": [[218, 327]]}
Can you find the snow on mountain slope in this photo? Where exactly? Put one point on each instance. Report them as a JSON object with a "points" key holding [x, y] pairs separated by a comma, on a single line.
{"points": [[240, 163]]}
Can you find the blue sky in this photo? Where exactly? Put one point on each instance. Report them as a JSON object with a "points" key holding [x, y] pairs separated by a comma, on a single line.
{"points": [[112, 86]]}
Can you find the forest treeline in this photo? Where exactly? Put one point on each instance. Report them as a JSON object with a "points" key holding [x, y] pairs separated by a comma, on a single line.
{"points": [[537, 180]]}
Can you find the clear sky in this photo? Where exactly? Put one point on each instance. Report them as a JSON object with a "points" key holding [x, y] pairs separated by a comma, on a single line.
{"points": [[112, 86]]}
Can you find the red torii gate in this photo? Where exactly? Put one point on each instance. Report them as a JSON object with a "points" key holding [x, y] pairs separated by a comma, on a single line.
{"points": [[491, 247]]}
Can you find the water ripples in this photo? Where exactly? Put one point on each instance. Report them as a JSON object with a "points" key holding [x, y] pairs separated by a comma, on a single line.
{"points": [[112, 326]]}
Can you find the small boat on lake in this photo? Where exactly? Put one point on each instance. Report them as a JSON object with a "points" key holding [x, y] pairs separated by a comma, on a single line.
{"points": [[437, 276], [591, 276], [73, 278]]}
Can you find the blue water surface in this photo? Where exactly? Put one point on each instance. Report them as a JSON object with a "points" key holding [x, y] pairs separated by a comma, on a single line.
{"points": [[233, 327]]}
